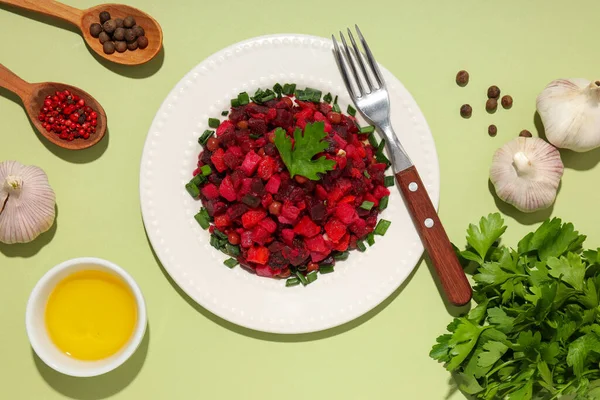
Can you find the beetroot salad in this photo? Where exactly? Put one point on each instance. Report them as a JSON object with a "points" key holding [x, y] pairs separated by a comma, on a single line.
{"points": [[289, 184]]}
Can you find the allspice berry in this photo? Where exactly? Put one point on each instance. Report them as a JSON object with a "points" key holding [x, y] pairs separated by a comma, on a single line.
{"points": [[119, 34], [104, 16], [493, 92], [138, 30], [95, 30], [491, 105], [110, 26], [142, 42], [108, 47], [129, 22], [462, 78], [121, 46], [525, 133], [129, 35], [507, 102], [492, 130], [465, 110], [119, 22], [103, 37], [132, 45]]}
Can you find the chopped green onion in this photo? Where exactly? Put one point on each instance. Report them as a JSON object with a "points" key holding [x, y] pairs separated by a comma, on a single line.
{"points": [[219, 234], [277, 89], [335, 100], [309, 94], [205, 169], [381, 147], [367, 129], [326, 268], [205, 136], [225, 113], [312, 276], [232, 250], [351, 110], [373, 140], [371, 239], [198, 180], [192, 189], [336, 108], [243, 99], [382, 227], [328, 98], [381, 158], [360, 245], [292, 282], [254, 136], [214, 242], [289, 89], [251, 201], [383, 203], [302, 278], [388, 181], [203, 218], [367, 205], [366, 174], [267, 98], [231, 262], [222, 245], [235, 103], [341, 256], [214, 122]]}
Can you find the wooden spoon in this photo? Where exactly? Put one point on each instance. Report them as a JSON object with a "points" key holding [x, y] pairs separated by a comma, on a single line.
{"points": [[33, 96], [85, 18]]}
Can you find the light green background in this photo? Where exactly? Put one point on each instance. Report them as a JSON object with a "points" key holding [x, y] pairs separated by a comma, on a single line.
{"points": [[190, 354]]}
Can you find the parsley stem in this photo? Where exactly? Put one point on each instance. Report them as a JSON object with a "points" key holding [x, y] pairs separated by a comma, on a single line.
{"points": [[498, 368]]}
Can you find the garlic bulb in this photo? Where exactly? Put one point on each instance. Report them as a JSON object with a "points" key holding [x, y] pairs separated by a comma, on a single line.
{"points": [[26, 202], [526, 173], [570, 111]]}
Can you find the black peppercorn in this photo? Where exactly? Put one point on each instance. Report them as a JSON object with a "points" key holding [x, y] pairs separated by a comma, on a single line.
{"points": [[119, 22], [491, 105], [119, 34], [104, 16], [108, 47], [493, 92], [81, 119], [103, 37], [95, 30], [525, 133], [142, 42], [129, 22], [465, 110], [110, 26], [462, 78], [121, 46], [507, 102], [138, 30], [492, 130], [129, 35], [133, 45]]}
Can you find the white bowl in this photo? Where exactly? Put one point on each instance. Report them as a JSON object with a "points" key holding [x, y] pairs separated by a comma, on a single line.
{"points": [[36, 324]]}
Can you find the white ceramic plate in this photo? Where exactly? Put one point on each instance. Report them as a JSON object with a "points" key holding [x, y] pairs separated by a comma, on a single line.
{"points": [[170, 155]]}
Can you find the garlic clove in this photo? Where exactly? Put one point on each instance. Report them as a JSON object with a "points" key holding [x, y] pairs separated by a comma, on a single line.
{"points": [[27, 202], [570, 112], [526, 173]]}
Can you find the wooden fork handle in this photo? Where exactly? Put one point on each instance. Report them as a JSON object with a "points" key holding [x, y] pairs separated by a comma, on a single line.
{"points": [[49, 7], [434, 237]]}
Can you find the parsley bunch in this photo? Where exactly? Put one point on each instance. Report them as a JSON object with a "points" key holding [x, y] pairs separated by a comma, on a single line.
{"points": [[535, 333]]}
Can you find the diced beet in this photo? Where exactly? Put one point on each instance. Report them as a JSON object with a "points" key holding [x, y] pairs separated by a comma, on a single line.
{"points": [[271, 150], [215, 207], [246, 187], [237, 114], [316, 256], [316, 243], [276, 260], [215, 179], [235, 211], [299, 256], [257, 188], [381, 191], [307, 228], [266, 271], [318, 211], [231, 160], [236, 178], [321, 192], [342, 245], [246, 239], [271, 114], [254, 108], [251, 201], [283, 119], [260, 235], [335, 229], [371, 198], [269, 225], [359, 228], [345, 213], [273, 184], [210, 191], [289, 211], [340, 162], [258, 255], [225, 127], [266, 168], [275, 247], [217, 160], [288, 236], [250, 163], [341, 143], [251, 218], [222, 221], [334, 196], [226, 189], [257, 126], [267, 199]]}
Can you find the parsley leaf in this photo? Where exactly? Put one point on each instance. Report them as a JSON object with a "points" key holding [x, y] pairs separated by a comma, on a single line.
{"points": [[580, 349], [570, 269], [483, 237], [298, 156], [551, 239]]}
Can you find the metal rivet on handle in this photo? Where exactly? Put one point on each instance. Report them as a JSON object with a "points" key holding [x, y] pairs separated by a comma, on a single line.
{"points": [[413, 186], [428, 222]]}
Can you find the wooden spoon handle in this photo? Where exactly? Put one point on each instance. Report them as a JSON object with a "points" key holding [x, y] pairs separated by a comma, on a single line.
{"points": [[49, 7], [434, 237], [12, 82]]}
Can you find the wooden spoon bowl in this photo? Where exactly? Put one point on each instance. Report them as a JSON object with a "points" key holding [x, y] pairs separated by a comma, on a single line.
{"points": [[83, 19], [33, 96]]}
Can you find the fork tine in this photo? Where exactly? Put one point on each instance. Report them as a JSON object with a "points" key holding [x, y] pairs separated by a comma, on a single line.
{"points": [[360, 57], [371, 59], [352, 63], [339, 57]]}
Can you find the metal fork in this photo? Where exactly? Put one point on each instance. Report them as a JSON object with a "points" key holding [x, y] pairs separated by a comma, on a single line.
{"points": [[367, 88]]}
